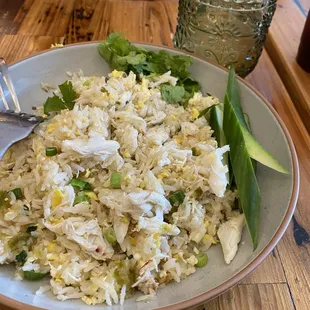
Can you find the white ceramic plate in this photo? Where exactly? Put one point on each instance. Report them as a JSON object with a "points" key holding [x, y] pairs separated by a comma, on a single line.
{"points": [[279, 192]]}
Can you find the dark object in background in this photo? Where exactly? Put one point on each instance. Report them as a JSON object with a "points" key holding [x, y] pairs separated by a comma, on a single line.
{"points": [[303, 55]]}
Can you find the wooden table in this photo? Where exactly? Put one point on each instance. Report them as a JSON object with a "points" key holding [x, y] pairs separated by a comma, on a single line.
{"points": [[282, 281]]}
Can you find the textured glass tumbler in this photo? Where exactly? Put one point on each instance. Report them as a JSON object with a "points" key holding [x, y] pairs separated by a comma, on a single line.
{"points": [[225, 31]]}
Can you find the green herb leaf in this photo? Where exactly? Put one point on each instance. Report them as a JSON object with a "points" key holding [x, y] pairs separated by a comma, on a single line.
{"points": [[53, 104], [172, 94], [56, 104], [244, 174], [121, 55], [80, 184], [68, 94], [21, 257], [190, 85], [33, 275]]}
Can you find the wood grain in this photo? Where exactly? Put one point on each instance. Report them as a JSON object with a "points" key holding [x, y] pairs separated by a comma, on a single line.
{"points": [[44, 17], [287, 26], [28, 28], [295, 259], [253, 297], [149, 19], [270, 271], [23, 46], [8, 11]]}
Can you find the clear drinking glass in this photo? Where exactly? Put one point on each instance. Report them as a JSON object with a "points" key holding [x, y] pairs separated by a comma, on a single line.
{"points": [[225, 31]]}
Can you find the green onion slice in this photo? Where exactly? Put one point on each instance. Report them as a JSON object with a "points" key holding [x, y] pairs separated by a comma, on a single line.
{"points": [[110, 236], [50, 151], [202, 260], [17, 192], [81, 184], [115, 180], [195, 151], [21, 257], [176, 198], [31, 228], [81, 197], [33, 275]]}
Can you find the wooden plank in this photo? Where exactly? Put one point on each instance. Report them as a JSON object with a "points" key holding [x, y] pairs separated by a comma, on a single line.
{"points": [[287, 26], [257, 296], [8, 11], [295, 258], [270, 271], [145, 21], [253, 297], [44, 17], [87, 18], [23, 46]]}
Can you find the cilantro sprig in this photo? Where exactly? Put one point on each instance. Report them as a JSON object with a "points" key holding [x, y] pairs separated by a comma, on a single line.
{"points": [[121, 55], [56, 103]]}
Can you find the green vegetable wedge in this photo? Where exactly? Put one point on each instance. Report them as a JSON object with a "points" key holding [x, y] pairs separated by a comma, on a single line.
{"points": [[205, 111], [244, 174], [33, 275], [216, 123], [261, 155], [233, 94], [256, 151]]}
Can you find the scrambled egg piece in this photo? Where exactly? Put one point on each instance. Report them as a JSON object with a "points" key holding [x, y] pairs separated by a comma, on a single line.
{"points": [[117, 74], [57, 198], [162, 175], [51, 247], [194, 113], [91, 195], [126, 154], [57, 221], [51, 127]]}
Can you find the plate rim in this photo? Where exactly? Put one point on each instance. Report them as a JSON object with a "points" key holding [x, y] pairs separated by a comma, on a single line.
{"points": [[228, 284]]}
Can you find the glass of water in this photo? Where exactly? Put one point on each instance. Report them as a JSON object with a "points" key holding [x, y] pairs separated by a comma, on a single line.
{"points": [[225, 31]]}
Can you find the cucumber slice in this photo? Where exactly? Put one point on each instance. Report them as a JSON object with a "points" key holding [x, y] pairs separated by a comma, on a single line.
{"points": [[244, 174], [256, 151], [233, 94], [216, 123], [261, 155]]}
